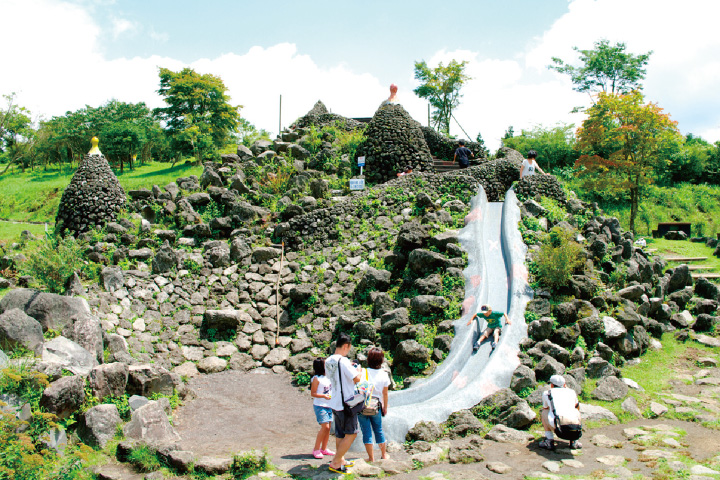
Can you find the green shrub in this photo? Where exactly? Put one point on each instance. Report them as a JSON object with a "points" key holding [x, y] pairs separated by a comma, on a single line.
{"points": [[555, 212], [144, 459], [249, 463], [302, 378], [558, 258], [53, 262]]}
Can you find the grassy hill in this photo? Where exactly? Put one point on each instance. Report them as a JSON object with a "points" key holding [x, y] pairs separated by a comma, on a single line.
{"points": [[34, 196]]}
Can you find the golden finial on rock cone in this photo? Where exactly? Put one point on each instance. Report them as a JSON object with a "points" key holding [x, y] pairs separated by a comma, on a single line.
{"points": [[94, 150]]}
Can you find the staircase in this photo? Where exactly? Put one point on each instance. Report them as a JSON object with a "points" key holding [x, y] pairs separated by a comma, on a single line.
{"points": [[444, 165]]}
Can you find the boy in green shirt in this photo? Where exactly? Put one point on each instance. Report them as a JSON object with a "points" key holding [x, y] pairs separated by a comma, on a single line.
{"points": [[494, 325]]}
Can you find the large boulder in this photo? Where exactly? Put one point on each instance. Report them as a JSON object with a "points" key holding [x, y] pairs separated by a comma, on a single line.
{"points": [[394, 319], [144, 380], [429, 305], [18, 330], [68, 355], [51, 310], [609, 389], [679, 278], [410, 351], [112, 278], [98, 425], [150, 424], [64, 396], [109, 380], [506, 408], [372, 280], [424, 262], [87, 332], [165, 259], [523, 378], [425, 432]]}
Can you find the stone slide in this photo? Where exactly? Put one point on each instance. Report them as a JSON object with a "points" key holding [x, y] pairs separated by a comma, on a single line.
{"points": [[495, 275]]}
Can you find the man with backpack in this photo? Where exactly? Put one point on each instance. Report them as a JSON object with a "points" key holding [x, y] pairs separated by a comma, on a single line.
{"points": [[560, 414]]}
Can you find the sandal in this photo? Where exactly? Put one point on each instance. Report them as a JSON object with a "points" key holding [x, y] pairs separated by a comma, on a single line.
{"points": [[348, 463], [341, 470]]}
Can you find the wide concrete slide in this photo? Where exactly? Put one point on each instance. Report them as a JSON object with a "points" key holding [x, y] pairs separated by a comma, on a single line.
{"points": [[496, 275]]}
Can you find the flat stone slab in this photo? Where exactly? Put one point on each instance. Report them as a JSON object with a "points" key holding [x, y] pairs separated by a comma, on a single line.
{"points": [[552, 467], [572, 463], [499, 467], [604, 441], [611, 460]]}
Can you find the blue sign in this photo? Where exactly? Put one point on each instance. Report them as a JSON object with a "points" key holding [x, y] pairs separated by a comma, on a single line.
{"points": [[361, 161], [357, 184]]}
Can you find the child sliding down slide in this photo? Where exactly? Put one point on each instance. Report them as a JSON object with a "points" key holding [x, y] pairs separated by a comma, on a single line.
{"points": [[494, 325]]}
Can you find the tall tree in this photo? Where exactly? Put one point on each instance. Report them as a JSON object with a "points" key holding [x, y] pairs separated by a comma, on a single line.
{"points": [[441, 86], [198, 115], [16, 131], [624, 145], [606, 68], [555, 145]]}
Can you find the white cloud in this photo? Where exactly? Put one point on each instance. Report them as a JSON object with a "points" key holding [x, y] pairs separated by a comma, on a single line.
{"points": [[684, 69], [161, 37], [122, 25], [62, 69]]}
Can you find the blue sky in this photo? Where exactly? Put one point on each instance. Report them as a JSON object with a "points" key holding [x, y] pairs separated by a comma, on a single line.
{"points": [[77, 52]]}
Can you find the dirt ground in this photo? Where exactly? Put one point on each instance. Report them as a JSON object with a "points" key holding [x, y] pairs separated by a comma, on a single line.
{"points": [[237, 411]]}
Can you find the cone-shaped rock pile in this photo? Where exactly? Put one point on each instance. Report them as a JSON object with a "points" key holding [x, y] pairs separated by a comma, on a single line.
{"points": [[393, 141]]}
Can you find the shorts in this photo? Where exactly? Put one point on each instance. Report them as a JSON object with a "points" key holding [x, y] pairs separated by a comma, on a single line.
{"points": [[346, 423], [323, 414], [489, 331]]}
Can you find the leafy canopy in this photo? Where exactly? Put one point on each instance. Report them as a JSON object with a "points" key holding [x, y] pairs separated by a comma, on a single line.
{"points": [[625, 144], [198, 116], [555, 145], [441, 86], [606, 68]]}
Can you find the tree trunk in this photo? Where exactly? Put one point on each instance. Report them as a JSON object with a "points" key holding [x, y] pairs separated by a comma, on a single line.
{"points": [[634, 196]]}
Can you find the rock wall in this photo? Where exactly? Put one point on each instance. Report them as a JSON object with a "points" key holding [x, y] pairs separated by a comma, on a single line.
{"points": [[319, 116], [394, 141], [94, 197], [443, 147]]}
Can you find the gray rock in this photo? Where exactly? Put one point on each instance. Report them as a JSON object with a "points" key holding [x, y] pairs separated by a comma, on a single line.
{"points": [[596, 413], [630, 405], [613, 329], [468, 450], [680, 278], [547, 367], [424, 431], [239, 249], [109, 380], [112, 278], [276, 356], [410, 351], [51, 310], [69, 356], [523, 378], [503, 434], [373, 280], [64, 396], [148, 379], [263, 254], [425, 262], [18, 330], [98, 425], [224, 320], [150, 424], [505, 407], [87, 332], [218, 255], [598, 368], [212, 365], [541, 329], [137, 401], [609, 389], [165, 260], [429, 305]]}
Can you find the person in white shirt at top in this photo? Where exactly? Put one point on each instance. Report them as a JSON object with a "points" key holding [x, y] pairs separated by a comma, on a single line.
{"points": [[372, 425], [339, 369], [530, 165], [566, 404]]}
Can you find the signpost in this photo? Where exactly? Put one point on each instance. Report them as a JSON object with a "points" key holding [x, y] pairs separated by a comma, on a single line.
{"points": [[358, 183]]}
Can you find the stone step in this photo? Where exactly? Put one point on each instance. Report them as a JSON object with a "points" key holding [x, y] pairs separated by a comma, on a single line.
{"points": [[685, 259], [707, 276]]}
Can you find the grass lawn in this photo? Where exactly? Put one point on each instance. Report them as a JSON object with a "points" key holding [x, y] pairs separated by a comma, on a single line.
{"points": [[35, 196], [684, 248], [10, 232]]}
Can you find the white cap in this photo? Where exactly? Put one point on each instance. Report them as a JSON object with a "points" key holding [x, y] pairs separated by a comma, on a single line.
{"points": [[557, 380]]}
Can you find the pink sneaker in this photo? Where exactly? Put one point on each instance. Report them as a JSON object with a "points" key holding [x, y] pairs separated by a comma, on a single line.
{"points": [[327, 452], [317, 454]]}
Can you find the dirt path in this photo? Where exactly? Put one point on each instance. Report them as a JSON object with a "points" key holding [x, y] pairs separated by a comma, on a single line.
{"points": [[237, 411]]}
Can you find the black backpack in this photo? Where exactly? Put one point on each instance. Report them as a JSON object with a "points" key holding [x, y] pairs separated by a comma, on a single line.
{"points": [[567, 430]]}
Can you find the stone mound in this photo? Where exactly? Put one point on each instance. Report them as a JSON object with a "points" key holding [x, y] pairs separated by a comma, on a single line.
{"points": [[545, 185], [442, 147], [94, 197], [393, 141], [496, 176], [319, 116]]}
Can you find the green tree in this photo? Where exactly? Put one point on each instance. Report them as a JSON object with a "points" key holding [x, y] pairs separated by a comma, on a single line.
{"points": [[624, 144], [198, 116], [441, 87], [606, 68], [16, 133], [555, 145]]}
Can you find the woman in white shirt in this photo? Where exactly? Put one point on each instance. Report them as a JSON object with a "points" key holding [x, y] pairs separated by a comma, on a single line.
{"points": [[530, 165], [370, 425]]}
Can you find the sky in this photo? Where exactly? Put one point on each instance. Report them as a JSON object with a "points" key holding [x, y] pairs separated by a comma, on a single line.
{"points": [[61, 55]]}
